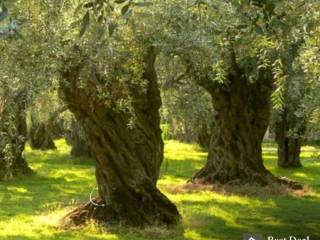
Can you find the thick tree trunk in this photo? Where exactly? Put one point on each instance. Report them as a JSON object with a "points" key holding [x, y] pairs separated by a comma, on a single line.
{"points": [[289, 147], [128, 157], [241, 119], [78, 140], [13, 135]]}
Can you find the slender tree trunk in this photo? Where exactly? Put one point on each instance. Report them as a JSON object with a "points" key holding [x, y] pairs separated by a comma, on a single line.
{"points": [[13, 135], [128, 157], [41, 134], [78, 140], [289, 147]]}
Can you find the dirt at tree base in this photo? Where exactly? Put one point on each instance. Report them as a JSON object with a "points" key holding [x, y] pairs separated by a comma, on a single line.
{"points": [[94, 210], [281, 186], [97, 211]]}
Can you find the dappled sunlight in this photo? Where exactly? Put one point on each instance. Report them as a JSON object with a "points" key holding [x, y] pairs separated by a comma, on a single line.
{"points": [[31, 207], [18, 189], [172, 181], [191, 234], [176, 146], [308, 148], [73, 173]]}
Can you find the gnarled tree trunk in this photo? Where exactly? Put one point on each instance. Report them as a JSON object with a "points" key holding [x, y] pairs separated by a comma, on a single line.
{"points": [[289, 147], [13, 135], [128, 157], [241, 120], [241, 117]]}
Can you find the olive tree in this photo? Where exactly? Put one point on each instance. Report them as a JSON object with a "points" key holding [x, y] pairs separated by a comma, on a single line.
{"points": [[102, 55], [14, 99], [234, 53]]}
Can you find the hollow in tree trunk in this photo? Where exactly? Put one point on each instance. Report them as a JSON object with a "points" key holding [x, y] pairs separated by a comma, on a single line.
{"points": [[289, 147], [127, 156], [13, 135]]}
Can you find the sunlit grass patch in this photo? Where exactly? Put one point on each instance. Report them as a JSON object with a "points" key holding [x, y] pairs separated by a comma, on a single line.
{"points": [[31, 207]]}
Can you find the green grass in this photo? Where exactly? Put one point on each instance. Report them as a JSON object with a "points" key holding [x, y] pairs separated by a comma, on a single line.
{"points": [[30, 207]]}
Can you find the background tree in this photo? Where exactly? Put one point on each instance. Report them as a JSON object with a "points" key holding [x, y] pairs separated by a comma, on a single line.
{"points": [[290, 120], [78, 140], [45, 121], [14, 98], [236, 60], [310, 61], [292, 114], [13, 133]]}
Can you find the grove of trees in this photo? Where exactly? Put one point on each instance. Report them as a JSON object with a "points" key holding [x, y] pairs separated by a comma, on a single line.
{"points": [[214, 72]]}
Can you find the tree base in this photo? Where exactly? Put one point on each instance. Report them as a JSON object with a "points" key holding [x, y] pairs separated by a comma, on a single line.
{"points": [[27, 171], [90, 211], [206, 176], [291, 165], [40, 138], [97, 211], [20, 168]]}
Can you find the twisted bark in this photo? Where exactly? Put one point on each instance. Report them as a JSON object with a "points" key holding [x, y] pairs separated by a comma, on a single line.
{"points": [[242, 113], [128, 158], [241, 119]]}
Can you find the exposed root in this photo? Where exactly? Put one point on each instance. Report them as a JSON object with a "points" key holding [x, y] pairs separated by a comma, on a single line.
{"points": [[87, 212], [294, 185], [97, 211], [82, 215]]}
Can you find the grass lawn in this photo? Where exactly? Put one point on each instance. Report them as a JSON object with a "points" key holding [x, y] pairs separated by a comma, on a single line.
{"points": [[30, 207]]}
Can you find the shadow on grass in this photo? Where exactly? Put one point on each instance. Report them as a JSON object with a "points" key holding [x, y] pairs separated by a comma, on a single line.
{"points": [[181, 169], [29, 195], [280, 218], [107, 233], [63, 181]]}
